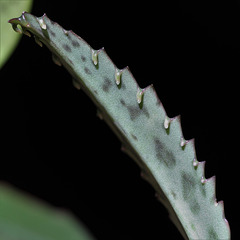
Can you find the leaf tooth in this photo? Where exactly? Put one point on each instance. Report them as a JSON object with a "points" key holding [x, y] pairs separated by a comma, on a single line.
{"points": [[220, 211], [126, 70], [23, 20], [220, 208], [210, 187], [56, 60], [183, 143], [141, 92], [191, 143], [176, 121], [203, 180], [154, 93], [190, 147], [76, 84], [167, 122], [42, 23], [20, 20], [95, 54], [66, 32], [195, 163]]}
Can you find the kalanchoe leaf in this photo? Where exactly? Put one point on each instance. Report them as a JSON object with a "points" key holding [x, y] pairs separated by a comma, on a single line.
{"points": [[148, 135]]}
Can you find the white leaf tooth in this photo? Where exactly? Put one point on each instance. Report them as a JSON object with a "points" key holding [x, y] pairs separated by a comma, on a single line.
{"points": [[183, 142], [195, 163], [203, 180], [42, 23], [66, 32], [140, 93], [167, 122], [95, 57], [118, 75], [23, 20]]}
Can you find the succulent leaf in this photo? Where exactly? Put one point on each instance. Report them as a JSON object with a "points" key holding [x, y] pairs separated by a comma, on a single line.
{"points": [[148, 135]]}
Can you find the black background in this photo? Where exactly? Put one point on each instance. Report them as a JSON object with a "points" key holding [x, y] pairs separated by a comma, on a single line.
{"points": [[54, 146]]}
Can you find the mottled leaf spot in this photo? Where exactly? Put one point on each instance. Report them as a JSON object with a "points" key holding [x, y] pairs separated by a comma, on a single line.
{"points": [[135, 112], [67, 48], [194, 207], [53, 34], [212, 234], [87, 71], [163, 154], [83, 58], [122, 102], [188, 184], [106, 85], [193, 227], [75, 43]]}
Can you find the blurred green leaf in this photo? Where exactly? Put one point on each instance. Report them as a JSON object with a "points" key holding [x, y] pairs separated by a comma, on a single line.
{"points": [[24, 218], [8, 38]]}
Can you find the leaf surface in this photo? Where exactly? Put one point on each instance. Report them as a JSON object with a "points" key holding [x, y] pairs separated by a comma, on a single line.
{"points": [[137, 116]]}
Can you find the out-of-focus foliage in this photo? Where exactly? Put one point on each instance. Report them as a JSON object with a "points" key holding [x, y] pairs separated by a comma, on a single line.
{"points": [[8, 39], [25, 218]]}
